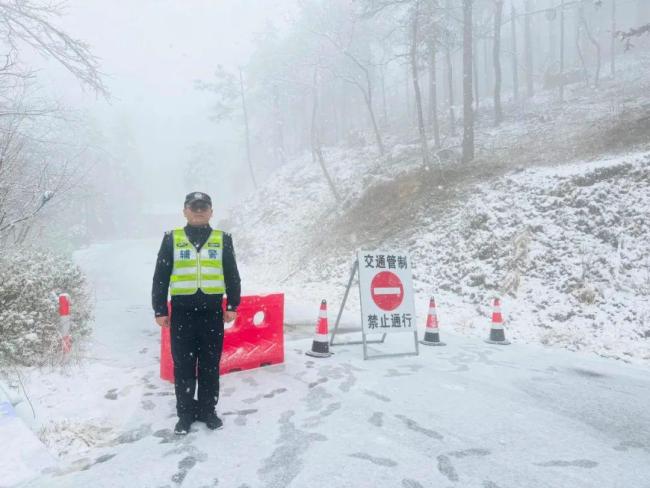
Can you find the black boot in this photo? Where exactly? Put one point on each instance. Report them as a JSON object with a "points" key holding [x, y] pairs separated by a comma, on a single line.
{"points": [[211, 421], [183, 425]]}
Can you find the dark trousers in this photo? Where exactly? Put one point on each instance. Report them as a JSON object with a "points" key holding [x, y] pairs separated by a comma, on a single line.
{"points": [[197, 342]]}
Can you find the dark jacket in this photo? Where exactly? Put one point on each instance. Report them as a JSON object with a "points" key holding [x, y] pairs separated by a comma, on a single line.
{"points": [[199, 301]]}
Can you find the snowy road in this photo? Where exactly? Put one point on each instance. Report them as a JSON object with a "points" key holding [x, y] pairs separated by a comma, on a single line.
{"points": [[465, 415]]}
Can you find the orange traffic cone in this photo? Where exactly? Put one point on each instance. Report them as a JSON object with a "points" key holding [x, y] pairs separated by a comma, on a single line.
{"points": [[320, 347], [431, 335], [497, 333]]}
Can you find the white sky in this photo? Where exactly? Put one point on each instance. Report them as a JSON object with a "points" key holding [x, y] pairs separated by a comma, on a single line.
{"points": [[152, 51]]}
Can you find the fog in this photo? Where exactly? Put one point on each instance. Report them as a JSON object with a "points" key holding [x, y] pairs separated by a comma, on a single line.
{"points": [[151, 52], [144, 101]]}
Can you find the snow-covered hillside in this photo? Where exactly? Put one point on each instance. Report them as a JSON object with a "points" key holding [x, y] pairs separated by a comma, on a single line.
{"points": [[563, 241]]}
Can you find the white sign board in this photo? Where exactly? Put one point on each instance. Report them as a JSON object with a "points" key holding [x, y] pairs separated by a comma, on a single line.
{"points": [[386, 291]]}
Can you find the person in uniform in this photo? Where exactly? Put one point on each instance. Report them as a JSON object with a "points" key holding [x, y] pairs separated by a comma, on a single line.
{"points": [[196, 266]]}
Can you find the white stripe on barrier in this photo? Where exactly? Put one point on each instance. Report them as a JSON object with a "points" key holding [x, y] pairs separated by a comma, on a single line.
{"points": [[497, 327], [432, 311], [321, 338], [387, 291], [322, 314]]}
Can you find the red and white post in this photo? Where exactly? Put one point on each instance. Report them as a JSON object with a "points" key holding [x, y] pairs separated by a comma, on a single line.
{"points": [[64, 321]]}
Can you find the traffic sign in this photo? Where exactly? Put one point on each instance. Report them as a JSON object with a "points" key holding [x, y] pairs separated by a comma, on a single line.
{"points": [[386, 291]]}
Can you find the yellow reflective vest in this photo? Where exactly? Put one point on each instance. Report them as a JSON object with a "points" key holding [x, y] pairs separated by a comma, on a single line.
{"points": [[197, 270]]}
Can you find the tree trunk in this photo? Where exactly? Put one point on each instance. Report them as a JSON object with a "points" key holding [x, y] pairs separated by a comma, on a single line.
{"points": [[612, 48], [475, 83], [279, 127], [530, 85], [384, 108], [581, 56], [416, 85], [562, 36], [475, 74], [367, 97], [468, 114], [593, 41], [407, 94], [248, 144], [433, 92], [317, 152], [375, 127], [552, 47], [515, 64], [486, 66], [498, 12], [450, 74], [450, 91]]}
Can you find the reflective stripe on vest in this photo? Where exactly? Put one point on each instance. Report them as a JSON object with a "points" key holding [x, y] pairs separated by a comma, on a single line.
{"points": [[197, 270]]}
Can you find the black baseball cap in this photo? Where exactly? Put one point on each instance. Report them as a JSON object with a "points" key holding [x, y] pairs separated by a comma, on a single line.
{"points": [[197, 196]]}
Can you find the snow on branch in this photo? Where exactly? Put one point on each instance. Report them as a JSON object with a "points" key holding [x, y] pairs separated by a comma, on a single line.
{"points": [[32, 23]]}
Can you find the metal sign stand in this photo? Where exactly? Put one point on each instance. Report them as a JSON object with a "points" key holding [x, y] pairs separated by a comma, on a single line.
{"points": [[355, 267], [364, 340]]}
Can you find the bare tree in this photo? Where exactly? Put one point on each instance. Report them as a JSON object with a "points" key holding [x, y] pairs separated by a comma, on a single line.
{"points": [[317, 151], [587, 30], [230, 92], [33, 23], [34, 172], [364, 83]]}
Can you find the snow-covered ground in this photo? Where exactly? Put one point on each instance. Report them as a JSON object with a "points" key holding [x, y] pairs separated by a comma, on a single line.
{"points": [[468, 414]]}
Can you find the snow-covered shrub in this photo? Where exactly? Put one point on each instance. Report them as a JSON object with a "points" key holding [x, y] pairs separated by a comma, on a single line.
{"points": [[30, 282]]}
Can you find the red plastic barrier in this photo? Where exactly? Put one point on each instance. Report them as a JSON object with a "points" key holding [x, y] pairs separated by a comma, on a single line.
{"points": [[246, 345]]}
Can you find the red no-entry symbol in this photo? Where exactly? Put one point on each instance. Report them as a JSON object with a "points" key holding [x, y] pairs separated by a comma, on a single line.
{"points": [[387, 290]]}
